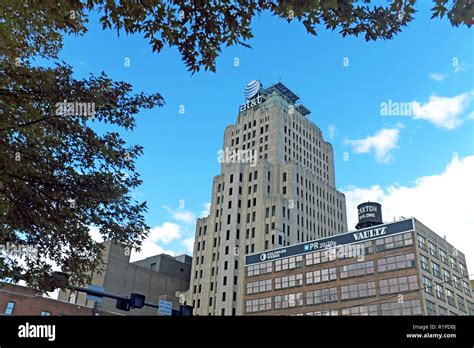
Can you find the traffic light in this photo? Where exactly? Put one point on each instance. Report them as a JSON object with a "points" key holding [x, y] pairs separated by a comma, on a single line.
{"points": [[137, 300], [123, 305], [186, 311]]}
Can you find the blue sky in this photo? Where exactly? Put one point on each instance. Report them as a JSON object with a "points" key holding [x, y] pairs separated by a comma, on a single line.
{"points": [[430, 63]]}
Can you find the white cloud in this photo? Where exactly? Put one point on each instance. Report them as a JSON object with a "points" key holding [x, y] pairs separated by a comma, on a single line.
{"points": [[149, 249], [444, 112], [189, 243], [181, 215], [382, 143], [331, 129], [165, 233], [437, 77], [95, 234], [206, 210], [443, 202]]}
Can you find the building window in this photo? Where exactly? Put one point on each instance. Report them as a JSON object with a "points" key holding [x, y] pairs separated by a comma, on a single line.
{"points": [[288, 300], [356, 269], [319, 257], [453, 262], [466, 288], [421, 241], [470, 307], [258, 305], [430, 308], [45, 313], [320, 276], [223, 297], [259, 286], [289, 281], [289, 263], [461, 304], [9, 308], [328, 312], [407, 307], [261, 268], [424, 263], [427, 285], [456, 282], [450, 297], [439, 292], [360, 310], [393, 263], [393, 242], [443, 255], [436, 271], [321, 296], [462, 269], [447, 276], [432, 249], [357, 290]]}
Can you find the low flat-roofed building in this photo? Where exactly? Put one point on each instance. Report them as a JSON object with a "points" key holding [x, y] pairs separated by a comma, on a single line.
{"points": [[158, 277]]}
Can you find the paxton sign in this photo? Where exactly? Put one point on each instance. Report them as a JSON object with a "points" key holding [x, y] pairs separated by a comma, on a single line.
{"points": [[370, 211], [331, 242]]}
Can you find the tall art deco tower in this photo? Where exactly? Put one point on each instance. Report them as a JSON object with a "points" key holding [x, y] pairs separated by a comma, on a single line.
{"points": [[276, 188]]}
